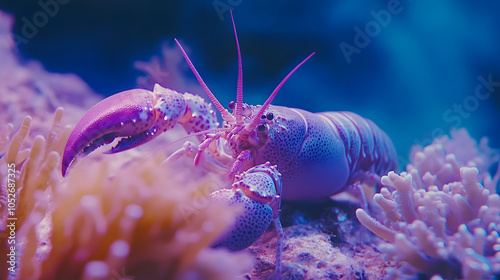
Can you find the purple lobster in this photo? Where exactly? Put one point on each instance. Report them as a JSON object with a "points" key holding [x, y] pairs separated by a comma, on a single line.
{"points": [[317, 154]]}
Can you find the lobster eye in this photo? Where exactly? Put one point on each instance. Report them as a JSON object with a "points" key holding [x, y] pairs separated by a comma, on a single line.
{"points": [[270, 116], [261, 127], [231, 105], [263, 117]]}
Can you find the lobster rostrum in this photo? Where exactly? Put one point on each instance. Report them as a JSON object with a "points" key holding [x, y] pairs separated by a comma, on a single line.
{"points": [[317, 154]]}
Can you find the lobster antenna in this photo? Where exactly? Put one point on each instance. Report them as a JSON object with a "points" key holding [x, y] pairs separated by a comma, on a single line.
{"points": [[199, 133], [224, 112], [255, 121], [239, 87]]}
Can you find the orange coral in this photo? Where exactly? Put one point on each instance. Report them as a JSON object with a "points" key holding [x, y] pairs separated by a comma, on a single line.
{"points": [[93, 225]]}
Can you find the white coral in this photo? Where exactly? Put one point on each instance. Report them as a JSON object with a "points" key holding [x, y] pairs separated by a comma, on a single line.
{"points": [[442, 216]]}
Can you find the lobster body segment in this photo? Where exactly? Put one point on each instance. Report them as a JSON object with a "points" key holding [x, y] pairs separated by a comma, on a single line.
{"points": [[368, 148], [308, 152]]}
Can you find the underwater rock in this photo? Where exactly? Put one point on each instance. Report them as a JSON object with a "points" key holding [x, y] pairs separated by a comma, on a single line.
{"points": [[324, 242]]}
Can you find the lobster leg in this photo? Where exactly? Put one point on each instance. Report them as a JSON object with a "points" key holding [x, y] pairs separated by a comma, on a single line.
{"points": [[237, 166], [138, 116], [259, 190], [357, 190], [191, 150]]}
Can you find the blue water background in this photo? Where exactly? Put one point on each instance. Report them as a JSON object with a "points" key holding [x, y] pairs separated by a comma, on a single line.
{"points": [[417, 65]]}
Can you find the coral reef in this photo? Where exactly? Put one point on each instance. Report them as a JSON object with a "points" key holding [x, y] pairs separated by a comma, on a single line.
{"points": [[442, 216]]}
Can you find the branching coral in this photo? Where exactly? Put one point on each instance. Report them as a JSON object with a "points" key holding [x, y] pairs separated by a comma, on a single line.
{"points": [[92, 226], [167, 71], [442, 215]]}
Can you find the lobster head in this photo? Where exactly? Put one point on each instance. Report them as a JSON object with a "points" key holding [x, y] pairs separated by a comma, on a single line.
{"points": [[247, 127]]}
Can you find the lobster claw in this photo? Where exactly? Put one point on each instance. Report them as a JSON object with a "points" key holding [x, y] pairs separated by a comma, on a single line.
{"points": [[138, 115]]}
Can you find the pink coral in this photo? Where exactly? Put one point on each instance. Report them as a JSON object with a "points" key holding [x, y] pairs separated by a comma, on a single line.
{"points": [[442, 215]]}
